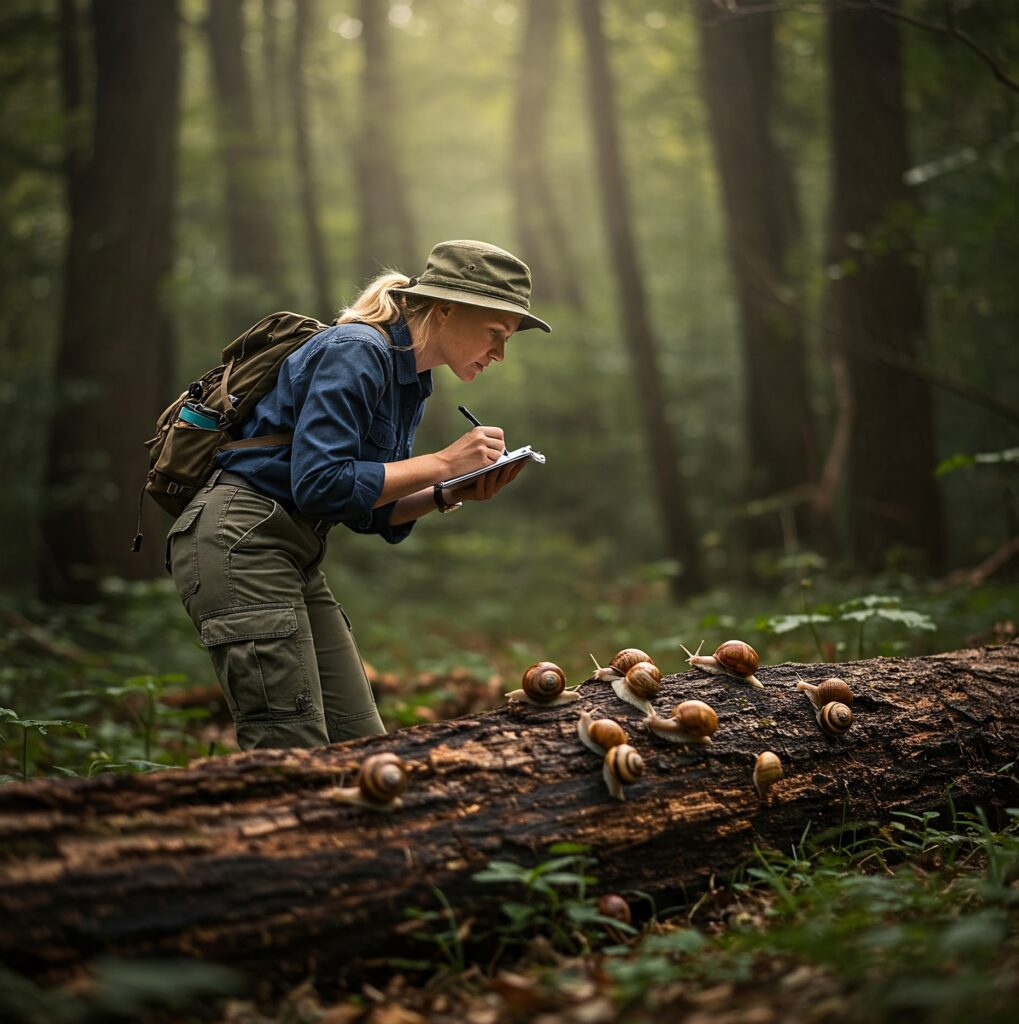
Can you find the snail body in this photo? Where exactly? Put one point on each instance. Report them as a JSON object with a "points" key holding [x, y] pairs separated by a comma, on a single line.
{"points": [[641, 683], [767, 771], [622, 765], [544, 684], [380, 781], [831, 689], [732, 658], [693, 721], [601, 734], [621, 663], [835, 718]]}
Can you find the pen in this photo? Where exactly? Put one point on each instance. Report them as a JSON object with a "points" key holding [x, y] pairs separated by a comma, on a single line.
{"points": [[474, 419]]}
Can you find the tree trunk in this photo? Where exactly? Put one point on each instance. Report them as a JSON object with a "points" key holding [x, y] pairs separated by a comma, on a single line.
{"points": [[253, 237], [326, 304], [544, 242], [387, 233], [877, 301], [662, 447], [250, 860], [115, 352], [737, 71]]}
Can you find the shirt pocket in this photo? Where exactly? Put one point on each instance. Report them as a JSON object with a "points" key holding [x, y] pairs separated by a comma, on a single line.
{"points": [[381, 440]]}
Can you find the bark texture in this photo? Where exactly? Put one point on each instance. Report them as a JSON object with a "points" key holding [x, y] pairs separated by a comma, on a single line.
{"points": [[250, 860], [663, 449], [877, 304], [115, 348]]}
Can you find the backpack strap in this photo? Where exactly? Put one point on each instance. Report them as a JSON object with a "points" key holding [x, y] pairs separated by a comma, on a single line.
{"points": [[265, 441], [229, 409]]}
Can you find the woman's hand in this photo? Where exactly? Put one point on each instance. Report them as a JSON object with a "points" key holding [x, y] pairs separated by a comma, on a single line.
{"points": [[478, 447], [487, 486]]}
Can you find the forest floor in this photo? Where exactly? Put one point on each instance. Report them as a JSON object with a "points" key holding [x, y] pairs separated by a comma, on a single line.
{"points": [[911, 919]]}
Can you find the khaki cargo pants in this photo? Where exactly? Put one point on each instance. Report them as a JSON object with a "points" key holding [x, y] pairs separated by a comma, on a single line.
{"points": [[281, 645]]}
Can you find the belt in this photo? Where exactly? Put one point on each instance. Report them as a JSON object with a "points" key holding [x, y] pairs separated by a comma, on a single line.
{"points": [[224, 476]]}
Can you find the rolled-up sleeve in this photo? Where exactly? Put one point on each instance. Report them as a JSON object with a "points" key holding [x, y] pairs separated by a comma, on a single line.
{"points": [[335, 397]]}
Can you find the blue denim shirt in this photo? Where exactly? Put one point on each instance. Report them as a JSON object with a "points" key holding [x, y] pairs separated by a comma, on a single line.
{"points": [[352, 401]]}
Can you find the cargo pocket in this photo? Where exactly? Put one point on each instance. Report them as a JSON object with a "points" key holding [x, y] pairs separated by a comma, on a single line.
{"points": [[182, 550], [258, 661]]}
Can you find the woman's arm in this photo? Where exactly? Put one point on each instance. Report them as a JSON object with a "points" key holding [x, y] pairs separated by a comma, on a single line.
{"points": [[404, 479], [420, 503]]}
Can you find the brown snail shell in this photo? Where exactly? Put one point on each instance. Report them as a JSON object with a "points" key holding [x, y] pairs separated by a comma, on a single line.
{"points": [[544, 683], [380, 781], [613, 905], [599, 735], [622, 662], [641, 683], [767, 771], [732, 658], [693, 721], [622, 765], [835, 718], [828, 690]]}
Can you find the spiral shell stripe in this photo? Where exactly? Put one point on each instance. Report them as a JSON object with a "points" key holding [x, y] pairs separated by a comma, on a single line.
{"points": [[835, 718], [767, 771], [627, 658], [696, 718], [737, 657], [644, 680], [622, 765], [382, 778], [544, 682]]}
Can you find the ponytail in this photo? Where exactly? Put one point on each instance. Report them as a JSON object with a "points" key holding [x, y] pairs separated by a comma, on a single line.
{"points": [[376, 305]]}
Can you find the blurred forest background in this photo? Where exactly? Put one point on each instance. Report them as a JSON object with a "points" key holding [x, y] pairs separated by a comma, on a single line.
{"points": [[777, 243]]}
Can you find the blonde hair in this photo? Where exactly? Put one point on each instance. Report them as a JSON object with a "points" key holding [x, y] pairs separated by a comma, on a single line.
{"points": [[377, 305]]}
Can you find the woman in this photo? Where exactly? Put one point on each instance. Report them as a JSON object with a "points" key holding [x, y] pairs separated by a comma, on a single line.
{"points": [[245, 553]]}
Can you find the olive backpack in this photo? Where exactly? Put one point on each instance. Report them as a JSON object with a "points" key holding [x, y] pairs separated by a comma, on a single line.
{"points": [[201, 422]]}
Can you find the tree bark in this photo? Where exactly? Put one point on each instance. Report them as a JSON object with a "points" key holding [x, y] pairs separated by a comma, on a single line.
{"points": [[115, 351], [544, 240], [738, 75], [249, 859], [661, 444], [253, 237], [326, 304], [387, 232], [877, 302]]}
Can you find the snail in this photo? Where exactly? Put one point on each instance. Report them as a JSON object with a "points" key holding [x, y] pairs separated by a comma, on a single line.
{"points": [[599, 735], [621, 663], [613, 905], [545, 685], [835, 718], [733, 658], [827, 690], [622, 766], [641, 683], [693, 721], [767, 771], [380, 781]]}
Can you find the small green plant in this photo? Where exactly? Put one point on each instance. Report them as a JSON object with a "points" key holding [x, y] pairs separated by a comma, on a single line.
{"points": [[857, 611], [39, 725]]}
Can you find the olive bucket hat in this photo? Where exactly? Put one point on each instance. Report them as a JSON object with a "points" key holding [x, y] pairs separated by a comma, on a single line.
{"points": [[477, 274]]}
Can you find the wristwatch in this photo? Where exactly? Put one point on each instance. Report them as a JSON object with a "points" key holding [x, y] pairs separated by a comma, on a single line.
{"points": [[440, 502]]}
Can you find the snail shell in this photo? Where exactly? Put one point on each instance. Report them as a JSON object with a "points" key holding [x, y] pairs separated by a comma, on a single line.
{"points": [[641, 682], [622, 662], [835, 718], [544, 684], [831, 689], [600, 735], [380, 781], [613, 905], [622, 766], [767, 771], [732, 658], [693, 721]]}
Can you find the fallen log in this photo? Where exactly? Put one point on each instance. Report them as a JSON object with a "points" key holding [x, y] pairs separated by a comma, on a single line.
{"points": [[249, 860]]}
